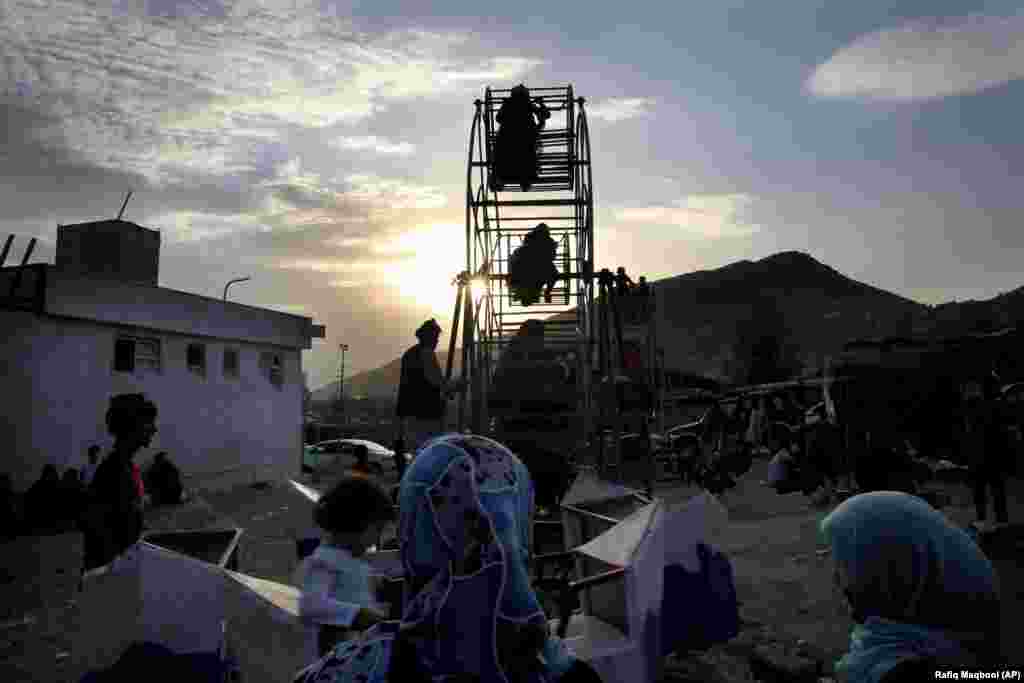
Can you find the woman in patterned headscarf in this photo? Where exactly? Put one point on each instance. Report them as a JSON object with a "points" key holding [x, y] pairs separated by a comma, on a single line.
{"points": [[920, 590], [466, 517]]}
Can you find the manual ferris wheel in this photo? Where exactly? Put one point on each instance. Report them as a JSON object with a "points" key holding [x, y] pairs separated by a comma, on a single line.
{"points": [[561, 196]]}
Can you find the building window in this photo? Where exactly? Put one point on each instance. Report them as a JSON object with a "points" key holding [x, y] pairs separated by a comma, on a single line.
{"points": [[136, 353], [195, 358], [231, 362], [273, 368]]}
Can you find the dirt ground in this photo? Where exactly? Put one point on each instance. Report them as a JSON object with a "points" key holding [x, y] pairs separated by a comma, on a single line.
{"points": [[783, 581]]}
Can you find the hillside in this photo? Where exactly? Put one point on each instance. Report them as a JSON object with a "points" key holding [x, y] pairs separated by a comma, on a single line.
{"points": [[709, 320], [706, 317], [380, 382]]}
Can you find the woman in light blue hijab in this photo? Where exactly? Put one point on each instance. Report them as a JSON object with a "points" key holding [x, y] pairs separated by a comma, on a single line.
{"points": [[465, 526], [919, 587]]}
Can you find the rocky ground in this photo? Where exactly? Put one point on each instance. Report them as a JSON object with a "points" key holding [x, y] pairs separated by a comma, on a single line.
{"points": [[793, 626]]}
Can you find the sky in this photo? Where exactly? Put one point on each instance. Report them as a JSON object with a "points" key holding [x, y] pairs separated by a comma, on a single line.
{"points": [[320, 147]]}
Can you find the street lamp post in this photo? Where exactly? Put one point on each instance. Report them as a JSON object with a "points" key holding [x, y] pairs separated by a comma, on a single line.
{"points": [[231, 282], [341, 379]]}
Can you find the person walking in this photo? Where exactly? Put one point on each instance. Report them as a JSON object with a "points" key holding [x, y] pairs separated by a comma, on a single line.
{"points": [[985, 448]]}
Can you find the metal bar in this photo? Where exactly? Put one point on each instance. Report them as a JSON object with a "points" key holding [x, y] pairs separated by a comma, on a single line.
{"points": [[16, 281], [7, 249], [530, 202], [455, 330], [467, 341]]}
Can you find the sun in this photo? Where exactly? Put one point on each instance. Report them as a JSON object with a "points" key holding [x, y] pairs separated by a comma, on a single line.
{"points": [[431, 258]]}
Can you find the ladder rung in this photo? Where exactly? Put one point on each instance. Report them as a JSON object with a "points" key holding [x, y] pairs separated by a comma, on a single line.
{"points": [[547, 323], [552, 228], [529, 202]]}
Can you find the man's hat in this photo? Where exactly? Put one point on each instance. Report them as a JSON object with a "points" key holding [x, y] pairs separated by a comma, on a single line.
{"points": [[428, 328]]}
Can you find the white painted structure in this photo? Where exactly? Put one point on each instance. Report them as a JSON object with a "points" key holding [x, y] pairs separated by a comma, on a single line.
{"points": [[226, 378]]}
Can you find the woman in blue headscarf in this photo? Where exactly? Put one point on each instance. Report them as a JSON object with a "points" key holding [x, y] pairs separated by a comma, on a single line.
{"points": [[919, 588], [465, 525]]}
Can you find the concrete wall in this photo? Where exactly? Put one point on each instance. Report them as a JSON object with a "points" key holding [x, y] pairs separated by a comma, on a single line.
{"points": [[171, 310], [57, 377]]}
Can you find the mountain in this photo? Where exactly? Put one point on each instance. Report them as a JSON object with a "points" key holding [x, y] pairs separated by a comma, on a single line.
{"points": [[711, 322], [382, 382], [706, 318]]}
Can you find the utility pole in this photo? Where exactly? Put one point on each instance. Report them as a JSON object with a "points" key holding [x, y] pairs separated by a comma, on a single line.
{"points": [[342, 348]]}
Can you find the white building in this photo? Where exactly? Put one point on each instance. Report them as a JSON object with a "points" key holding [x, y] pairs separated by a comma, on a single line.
{"points": [[226, 378]]}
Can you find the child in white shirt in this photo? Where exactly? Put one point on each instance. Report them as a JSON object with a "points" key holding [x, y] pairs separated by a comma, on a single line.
{"points": [[338, 591]]}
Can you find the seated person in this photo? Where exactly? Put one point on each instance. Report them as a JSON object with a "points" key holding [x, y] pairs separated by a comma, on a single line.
{"points": [[43, 502], [532, 266], [337, 588], [10, 519], [163, 481], [520, 122]]}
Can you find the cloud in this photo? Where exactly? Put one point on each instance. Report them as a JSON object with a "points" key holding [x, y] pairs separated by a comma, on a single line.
{"points": [[194, 226], [321, 266], [349, 242], [393, 193], [374, 144], [618, 109], [925, 59], [171, 89], [710, 215]]}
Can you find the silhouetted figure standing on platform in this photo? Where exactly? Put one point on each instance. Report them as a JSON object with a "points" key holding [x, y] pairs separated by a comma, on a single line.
{"points": [[623, 283], [532, 267], [520, 120], [114, 517], [643, 296], [422, 389]]}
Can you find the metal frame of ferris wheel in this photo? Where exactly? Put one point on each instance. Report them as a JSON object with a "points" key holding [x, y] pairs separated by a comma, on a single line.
{"points": [[496, 222]]}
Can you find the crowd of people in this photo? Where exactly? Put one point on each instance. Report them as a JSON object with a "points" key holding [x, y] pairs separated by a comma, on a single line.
{"points": [[921, 594], [104, 498], [808, 453], [465, 509]]}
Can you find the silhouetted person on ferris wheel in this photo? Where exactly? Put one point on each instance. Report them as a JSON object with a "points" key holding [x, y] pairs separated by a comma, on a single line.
{"points": [[623, 283], [532, 267], [515, 151]]}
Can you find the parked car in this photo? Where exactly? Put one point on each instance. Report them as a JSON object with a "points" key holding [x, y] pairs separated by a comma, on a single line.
{"points": [[342, 451]]}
